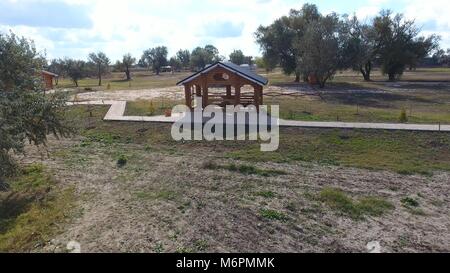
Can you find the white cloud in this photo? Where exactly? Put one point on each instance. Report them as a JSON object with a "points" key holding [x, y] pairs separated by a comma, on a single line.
{"points": [[131, 26], [140, 24]]}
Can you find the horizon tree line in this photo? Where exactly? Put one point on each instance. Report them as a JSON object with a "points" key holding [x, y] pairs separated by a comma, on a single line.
{"points": [[304, 43]]}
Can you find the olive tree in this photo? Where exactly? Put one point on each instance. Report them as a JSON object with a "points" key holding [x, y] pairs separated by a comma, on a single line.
{"points": [[361, 47], [279, 41], [155, 58], [124, 66], [321, 49], [76, 69], [102, 64], [184, 57], [399, 44], [26, 112]]}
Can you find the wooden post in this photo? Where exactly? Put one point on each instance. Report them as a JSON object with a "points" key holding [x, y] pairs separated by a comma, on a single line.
{"points": [[187, 94], [237, 98], [205, 95], [198, 90], [255, 97], [228, 91], [258, 96], [261, 95]]}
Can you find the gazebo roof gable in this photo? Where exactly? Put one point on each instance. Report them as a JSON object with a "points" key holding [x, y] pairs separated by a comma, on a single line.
{"points": [[240, 71]]}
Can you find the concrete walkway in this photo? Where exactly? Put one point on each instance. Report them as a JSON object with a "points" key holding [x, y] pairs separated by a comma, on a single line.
{"points": [[117, 110]]}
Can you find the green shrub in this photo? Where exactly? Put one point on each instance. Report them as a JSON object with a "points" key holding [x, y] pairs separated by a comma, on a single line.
{"points": [[410, 202], [122, 161]]}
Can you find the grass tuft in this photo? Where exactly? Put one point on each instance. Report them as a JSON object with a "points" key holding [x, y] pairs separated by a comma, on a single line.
{"points": [[338, 200], [273, 215], [266, 194], [410, 202]]}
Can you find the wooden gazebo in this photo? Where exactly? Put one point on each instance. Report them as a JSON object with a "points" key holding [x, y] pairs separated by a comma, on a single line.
{"points": [[229, 76]]}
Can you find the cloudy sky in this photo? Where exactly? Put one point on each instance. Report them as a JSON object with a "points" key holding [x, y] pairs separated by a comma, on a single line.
{"points": [[73, 28]]}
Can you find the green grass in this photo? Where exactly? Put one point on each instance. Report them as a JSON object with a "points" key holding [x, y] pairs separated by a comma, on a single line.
{"points": [[410, 202], [32, 211], [116, 81], [265, 194], [374, 108], [402, 152], [399, 151], [163, 195], [273, 215], [244, 169], [339, 201], [150, 107]]}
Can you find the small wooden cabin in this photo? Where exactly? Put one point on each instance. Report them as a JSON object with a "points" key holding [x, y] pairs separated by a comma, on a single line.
{"points": [[231, 78], [48, 78]]}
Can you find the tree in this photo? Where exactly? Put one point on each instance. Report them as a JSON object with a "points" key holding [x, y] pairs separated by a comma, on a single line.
{"points": [[279, 40], [76, 69], [322, 48], [26, 112], [155, 58], [441, 58], [200, 57], [213, 53], [184, 56], [421, 48], [398, 43], [124, 66], [101, 62], [266, 63], [176, 64], [360, 47], [57, 66], [237, 57]]}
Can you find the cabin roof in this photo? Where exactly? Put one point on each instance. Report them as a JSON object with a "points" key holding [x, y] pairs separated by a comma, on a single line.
{"points": [[239, 70]]}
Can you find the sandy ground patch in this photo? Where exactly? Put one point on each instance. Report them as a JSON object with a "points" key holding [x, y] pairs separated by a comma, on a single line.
{"points": [[167, 202]]}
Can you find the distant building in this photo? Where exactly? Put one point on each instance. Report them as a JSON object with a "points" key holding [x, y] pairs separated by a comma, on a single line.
{"points": [[166, 68], [48, 78], [251, 67]]}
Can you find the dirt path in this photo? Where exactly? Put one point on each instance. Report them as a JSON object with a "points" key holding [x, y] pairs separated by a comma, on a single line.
{"points": [[167, 201]]}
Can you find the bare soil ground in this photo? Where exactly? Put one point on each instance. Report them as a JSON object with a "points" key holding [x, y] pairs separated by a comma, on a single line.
{"points": [[167, 201]]}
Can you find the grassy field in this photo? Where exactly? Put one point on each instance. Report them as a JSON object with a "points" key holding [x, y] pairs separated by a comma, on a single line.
{"points": [[347, 98], [117, 81], [129, 187], [146, 80], [323, 190], [399, 151]]}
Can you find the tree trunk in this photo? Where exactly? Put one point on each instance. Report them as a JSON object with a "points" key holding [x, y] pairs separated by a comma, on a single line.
{"points": [[391, 77], [99, 76], [76, 83], [368, 68], [297, 78], [127, 72]]}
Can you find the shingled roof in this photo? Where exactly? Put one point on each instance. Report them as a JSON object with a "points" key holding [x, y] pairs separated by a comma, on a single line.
{"points": [[241, 71]]}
